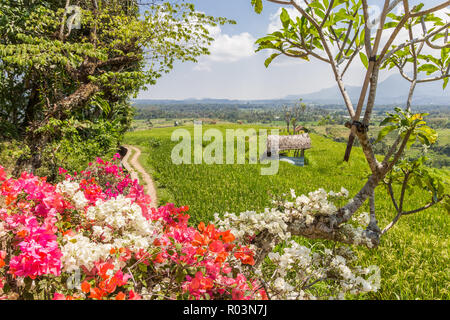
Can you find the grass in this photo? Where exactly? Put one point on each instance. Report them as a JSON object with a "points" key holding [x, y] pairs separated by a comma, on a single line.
{"points": [[413, 256]]}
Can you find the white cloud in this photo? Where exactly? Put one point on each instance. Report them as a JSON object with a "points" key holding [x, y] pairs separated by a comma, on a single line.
{"points": [[227, 48], [275, 23]]}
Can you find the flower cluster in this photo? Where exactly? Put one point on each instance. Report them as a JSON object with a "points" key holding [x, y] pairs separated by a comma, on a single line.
{"points": [[293, 273], [96, 227]]}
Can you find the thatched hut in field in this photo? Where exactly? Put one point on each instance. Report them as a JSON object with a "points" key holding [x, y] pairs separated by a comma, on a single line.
{"points": [[298, 142]]}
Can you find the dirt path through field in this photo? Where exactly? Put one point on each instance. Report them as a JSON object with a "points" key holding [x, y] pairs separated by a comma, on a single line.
{"points": [[133, 166]]}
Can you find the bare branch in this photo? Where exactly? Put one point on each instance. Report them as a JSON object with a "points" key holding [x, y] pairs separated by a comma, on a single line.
{"points": [[402, 193], [384, 56], [424, 207], [392, 223], [327, 14], [391, 151], [350, 61], [391, 194], [399, 151], [446, 75], [63, 21], [341, 86], [373, 224], [431, 10], [285, 3]]}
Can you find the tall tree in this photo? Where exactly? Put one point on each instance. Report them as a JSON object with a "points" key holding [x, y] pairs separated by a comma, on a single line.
{"points": [[335, 32], [76, 64]]}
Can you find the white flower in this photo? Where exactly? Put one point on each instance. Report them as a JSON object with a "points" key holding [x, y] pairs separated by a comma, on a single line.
{"points": [[67, 187], [344, 192], [80, 200]]}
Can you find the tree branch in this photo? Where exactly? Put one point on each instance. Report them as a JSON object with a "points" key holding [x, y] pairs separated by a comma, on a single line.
{"points": [[431, 10], [391, 193], [424, 207]]}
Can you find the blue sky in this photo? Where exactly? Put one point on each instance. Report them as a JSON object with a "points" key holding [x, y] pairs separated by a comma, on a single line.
{"points": [[235, 71]]}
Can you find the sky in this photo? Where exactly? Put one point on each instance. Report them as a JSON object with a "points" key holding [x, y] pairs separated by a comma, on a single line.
{"points": [[235, 71]]}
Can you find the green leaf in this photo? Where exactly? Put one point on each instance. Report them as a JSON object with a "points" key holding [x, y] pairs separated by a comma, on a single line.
{"points": [[411, 141], [384, 132], [285, 19], [270, 59], [445, 83], [428, 68], [142, 267], [364, 59], [257, 4]]}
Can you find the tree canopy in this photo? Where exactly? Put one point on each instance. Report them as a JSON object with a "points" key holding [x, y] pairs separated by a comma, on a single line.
{"points": [[69, 67]]}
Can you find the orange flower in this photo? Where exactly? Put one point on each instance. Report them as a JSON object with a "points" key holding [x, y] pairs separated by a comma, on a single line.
{"points": [[22, 234], [201, 226], [221, 257], [159, 258], [200, 251], [69, 232], [97, 293], [245, 255], [120, 296], [227, 236], [85, 287], [2, 263], [199, 240]]}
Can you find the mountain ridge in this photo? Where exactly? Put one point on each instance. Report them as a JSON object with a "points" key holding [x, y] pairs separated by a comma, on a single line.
{"points": [[426, 94]]}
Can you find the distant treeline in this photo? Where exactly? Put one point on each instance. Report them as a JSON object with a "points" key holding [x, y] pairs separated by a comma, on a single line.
{"points": [[250, 113]]}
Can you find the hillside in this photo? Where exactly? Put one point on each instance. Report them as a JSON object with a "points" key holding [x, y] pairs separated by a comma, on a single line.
{"points": [[393, 90]]}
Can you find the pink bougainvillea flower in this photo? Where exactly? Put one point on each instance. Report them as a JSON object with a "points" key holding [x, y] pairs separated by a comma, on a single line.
{"points": [[2, 174], [133, 295], [216, 246], [59, 296]]}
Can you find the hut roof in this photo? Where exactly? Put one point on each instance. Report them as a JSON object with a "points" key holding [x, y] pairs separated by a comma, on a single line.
{"points": [[294, 142]]}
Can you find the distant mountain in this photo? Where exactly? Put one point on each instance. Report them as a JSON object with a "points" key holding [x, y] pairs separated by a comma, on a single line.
{"points": [[393, 90], [147, 102]]}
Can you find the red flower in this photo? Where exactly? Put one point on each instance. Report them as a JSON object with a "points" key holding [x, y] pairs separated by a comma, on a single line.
{"points": [[227, 236], [85, 287], [134, 296], [97, 293], [245, 255], [216, 246], [2, 174], [120, 296]]}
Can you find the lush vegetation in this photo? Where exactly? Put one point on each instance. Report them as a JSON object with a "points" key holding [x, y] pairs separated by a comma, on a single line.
{"points": [[412, 257], [246, 113], [67, 73], [65, 88], [324, 120]]}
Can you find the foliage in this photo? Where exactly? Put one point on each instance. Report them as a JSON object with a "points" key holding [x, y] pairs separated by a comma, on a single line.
{"points": [[97, 223], [407, 123], [94, 236], [412, 257], [52, 71]]}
